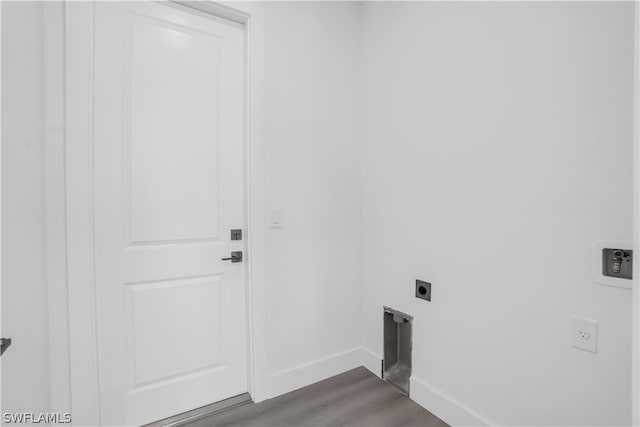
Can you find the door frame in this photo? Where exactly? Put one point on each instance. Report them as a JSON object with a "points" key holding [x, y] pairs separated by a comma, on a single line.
{"points": [[635, 327], [74, 360]]}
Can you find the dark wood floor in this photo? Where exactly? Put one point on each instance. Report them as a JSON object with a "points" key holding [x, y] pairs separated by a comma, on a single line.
{"points": [[354, 398]]}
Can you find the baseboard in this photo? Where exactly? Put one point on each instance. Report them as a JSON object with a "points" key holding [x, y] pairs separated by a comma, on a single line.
{"points": [[371, 361], [444, 407], [430, 398], [317, 370]]}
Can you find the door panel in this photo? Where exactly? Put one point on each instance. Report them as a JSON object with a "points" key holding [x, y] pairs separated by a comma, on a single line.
{"points": [[168, 188], [188, 311], [174, 188]]}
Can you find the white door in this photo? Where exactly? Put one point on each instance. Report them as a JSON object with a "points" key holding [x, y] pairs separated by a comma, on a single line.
{"points": [[168, 189]]}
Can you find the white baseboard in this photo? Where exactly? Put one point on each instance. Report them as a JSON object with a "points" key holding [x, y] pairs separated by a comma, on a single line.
{"points": [[371, 361], [317, 370], [444, 407], [430, 398]]}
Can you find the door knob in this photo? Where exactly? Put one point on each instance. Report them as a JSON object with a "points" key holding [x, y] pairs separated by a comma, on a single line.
{"points": [[235, 257]]}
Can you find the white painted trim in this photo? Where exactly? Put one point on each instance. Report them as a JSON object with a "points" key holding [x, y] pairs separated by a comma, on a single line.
{"points": [[1, 145], [255, 207], [635, 328], [433, 400], [314, 371], [217, 9], [85, 387], [443, 406], [371, 361], [255, 169], [56, 249], [80, 323]]}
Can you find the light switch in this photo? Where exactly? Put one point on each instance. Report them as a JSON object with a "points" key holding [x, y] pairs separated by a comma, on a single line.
{"points": [[276, 218]]}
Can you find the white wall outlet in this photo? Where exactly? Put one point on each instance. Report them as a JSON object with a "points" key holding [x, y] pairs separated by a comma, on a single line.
{"points": [[584, 334]]}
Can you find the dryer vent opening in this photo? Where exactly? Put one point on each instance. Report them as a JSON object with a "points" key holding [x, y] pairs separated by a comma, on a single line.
{"points": [[396, 367]]}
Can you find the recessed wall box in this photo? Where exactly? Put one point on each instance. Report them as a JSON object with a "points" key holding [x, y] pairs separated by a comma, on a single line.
{"points": [[617, 263], [397, 349], [608, 269]]}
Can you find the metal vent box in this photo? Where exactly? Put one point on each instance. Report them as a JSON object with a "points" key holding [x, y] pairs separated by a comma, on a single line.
{"points": [[396, 367]]}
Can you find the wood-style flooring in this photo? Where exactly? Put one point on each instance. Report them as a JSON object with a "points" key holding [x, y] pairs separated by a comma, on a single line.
{"points": [[354, 398]]}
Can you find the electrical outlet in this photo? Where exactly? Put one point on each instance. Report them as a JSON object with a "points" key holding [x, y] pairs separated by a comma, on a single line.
{"points": [[423, 290], [584, 334]]}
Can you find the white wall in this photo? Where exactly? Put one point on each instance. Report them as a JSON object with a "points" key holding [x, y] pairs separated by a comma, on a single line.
{"points": [[25, 366], [497, 147], [313, 176], [494, 133]]}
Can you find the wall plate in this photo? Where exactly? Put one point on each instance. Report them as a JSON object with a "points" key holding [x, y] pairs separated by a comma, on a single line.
{"points": [[423, 290], [276, 218], [584, 334]]}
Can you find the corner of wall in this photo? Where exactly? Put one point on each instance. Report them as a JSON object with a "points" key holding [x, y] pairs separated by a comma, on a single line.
{"points": [[430, 398], [371, 361], [317, 370]]}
